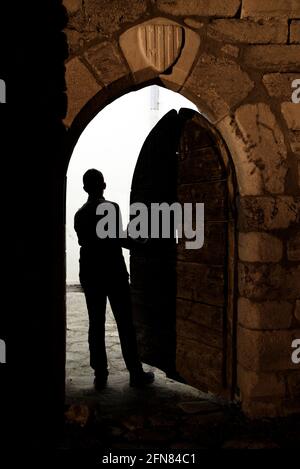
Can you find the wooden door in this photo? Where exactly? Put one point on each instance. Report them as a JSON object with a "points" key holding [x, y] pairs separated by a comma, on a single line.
{"points": [[183, 299], [153, 268]]}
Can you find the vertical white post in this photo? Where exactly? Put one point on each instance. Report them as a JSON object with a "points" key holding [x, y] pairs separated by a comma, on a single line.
{"points": [[154, 105], [154, 97]]}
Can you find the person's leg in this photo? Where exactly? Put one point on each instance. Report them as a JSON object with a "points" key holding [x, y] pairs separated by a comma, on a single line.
{"points": [[120, 301], [96, 305]]}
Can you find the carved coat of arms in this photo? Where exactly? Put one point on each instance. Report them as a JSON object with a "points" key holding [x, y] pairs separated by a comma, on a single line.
{"points": [[161, 44]]}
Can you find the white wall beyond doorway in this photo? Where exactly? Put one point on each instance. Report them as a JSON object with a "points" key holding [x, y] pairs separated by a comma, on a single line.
{"points": [[111, 143]]}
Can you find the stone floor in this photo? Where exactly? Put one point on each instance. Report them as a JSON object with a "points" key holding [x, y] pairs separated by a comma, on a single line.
{"points": [[165, 415]]}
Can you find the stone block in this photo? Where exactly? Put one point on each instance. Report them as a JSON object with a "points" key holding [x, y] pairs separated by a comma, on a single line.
{"points": [[293, 248], [199, 7], [273, 58], [291, 114], [72, 6], [106, 17], [81, 87], [229, 49], [259, 247], [106, 62], [295, 32], [192, 23], [295, 141], [257, 147], [213, 82], [74, 41], [258, 384], [271, 9], [269, 315], [266, 350], [279, 85], [95, 20], [249, 31], [269, 282], [268, 213]]}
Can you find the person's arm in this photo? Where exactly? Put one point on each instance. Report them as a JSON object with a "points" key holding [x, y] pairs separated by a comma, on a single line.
{"points": [[76, 223], [125, 240], [78, 227], [132, 243]]}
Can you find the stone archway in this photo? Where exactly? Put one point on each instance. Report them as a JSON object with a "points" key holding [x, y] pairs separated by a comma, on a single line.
{"points": [[221, 84], [222, 374]]}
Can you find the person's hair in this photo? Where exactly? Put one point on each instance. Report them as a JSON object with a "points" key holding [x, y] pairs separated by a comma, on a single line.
{"points": [[93, 180]]}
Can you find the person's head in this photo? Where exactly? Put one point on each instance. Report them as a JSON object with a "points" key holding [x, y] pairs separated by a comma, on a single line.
{"points": [[93, 182]]}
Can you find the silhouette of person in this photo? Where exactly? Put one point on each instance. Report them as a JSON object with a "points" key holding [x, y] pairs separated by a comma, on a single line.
{"points": [[103, 275]]}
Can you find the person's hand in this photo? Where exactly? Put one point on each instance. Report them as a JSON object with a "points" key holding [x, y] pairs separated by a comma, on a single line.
{"points": [[141, 240]]}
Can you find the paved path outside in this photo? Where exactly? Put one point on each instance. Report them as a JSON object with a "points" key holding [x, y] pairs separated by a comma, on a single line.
{"points": [[166, 414], [80, 375]]}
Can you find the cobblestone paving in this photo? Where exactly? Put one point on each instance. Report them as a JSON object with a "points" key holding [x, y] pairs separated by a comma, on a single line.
{"points": [[125, 409], [166, 414], [80, 375]]}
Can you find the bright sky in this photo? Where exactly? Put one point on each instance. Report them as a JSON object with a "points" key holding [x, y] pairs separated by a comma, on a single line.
{"points": [[111, 143]]}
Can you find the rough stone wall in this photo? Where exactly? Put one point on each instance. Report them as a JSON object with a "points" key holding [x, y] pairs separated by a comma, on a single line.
{"points": [[248, 55]]}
